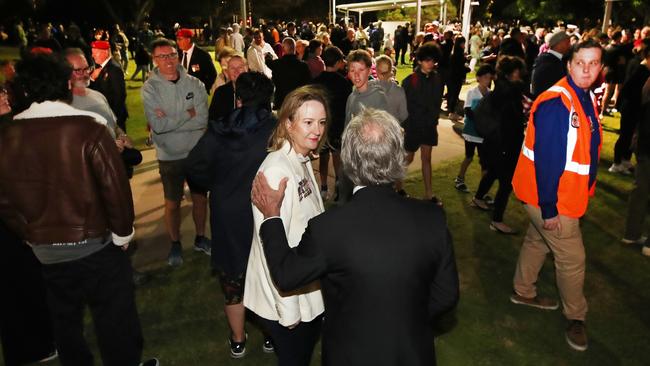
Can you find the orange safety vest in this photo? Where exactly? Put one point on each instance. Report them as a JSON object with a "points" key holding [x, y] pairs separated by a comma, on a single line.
{"points": [[573, 190]]}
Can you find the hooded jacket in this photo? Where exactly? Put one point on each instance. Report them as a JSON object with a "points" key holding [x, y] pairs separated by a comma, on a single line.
{"points": [[373, 97], [396, 98], [176, 132]]}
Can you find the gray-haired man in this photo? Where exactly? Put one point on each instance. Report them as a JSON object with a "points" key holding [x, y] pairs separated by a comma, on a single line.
{"points": [[352, 251]]}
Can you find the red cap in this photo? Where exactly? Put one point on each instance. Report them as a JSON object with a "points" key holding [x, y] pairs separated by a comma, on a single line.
{"points": [[102, 45], [184, 32], [40, 51]]}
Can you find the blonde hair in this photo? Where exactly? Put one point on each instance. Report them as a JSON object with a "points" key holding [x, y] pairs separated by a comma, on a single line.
{"points": [[287, 113]]}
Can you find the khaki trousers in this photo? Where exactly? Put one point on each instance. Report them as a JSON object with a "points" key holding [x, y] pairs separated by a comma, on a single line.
{"points": [[569, 254]]}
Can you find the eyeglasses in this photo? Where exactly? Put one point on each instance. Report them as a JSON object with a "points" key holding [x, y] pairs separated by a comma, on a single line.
{"points": [[84, 70], [167, 56]]}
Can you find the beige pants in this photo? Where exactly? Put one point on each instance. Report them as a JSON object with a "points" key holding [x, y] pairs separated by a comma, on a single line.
{"points": [[569, 254]]}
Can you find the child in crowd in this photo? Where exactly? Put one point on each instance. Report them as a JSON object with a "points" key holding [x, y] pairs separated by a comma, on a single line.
{"points": [[473, 142]]}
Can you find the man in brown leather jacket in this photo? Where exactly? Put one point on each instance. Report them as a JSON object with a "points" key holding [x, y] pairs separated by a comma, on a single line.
{"points": [[64, 190]]}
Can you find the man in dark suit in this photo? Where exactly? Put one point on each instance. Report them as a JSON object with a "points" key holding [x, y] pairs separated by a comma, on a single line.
{"points": [[385, 262], [289, 73], [108, 79], [196, 61], [549, 67]]}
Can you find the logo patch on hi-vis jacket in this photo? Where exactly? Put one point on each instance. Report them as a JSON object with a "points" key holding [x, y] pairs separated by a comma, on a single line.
{"points": [[575, 121]]}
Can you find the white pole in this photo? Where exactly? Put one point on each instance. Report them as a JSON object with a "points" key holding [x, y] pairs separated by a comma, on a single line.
{"points": [[608, 15], [418, 19], [333, 12], [467, 18]]}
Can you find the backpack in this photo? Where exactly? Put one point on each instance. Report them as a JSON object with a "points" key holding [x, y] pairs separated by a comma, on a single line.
{"points": [[487, 118]]}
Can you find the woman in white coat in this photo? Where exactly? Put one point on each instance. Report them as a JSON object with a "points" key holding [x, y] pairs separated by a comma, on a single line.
{"points": [[293, 320]]}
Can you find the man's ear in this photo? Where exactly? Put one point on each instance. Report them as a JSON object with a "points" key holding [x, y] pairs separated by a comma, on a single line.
{"points": [[69, 84]]}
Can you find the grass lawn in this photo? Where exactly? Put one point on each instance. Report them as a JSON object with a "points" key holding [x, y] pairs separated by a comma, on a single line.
{"points": [[183, 321]]}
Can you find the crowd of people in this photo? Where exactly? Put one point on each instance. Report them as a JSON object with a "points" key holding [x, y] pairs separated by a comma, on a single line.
{"points": [[288, 94]]}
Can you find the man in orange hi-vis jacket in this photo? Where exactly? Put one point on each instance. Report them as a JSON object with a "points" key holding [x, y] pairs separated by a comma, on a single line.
{"points": [[555, 176]]}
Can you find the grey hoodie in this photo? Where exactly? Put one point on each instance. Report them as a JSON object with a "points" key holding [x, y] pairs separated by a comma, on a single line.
{"points": [[396, 98], [176, 133], [373, 97]]}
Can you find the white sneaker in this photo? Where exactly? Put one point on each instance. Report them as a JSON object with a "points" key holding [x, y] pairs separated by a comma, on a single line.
{"points": [[641, 240], [645, 251], [618, 168], [627, 164]]}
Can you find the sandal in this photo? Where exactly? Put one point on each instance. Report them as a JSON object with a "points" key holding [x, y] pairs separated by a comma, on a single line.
{"points": [[509, 231], [479, 204]]}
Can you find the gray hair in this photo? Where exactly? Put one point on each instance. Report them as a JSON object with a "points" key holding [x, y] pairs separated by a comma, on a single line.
{"points": [[373, 149], [290, 45]]}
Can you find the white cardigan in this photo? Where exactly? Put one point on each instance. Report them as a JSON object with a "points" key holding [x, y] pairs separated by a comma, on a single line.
{"points": [[301, 202]]}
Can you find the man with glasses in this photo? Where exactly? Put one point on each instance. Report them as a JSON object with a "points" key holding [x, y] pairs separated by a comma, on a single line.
{"points": [[176, 107], [108, 79], [82, 97]]}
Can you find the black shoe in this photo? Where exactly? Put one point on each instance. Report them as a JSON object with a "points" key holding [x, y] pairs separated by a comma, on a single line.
{"points": [[403, 193], [437, 201], [202, 244], [140, 278], [237, 349], [267, 346]]}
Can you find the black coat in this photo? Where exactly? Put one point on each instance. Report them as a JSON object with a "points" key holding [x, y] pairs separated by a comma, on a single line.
{"points": [[289, 73], [223, 102], [225, 162], [547, 71], [338, 90], [386, 267], [110, 82], [201, 67]]}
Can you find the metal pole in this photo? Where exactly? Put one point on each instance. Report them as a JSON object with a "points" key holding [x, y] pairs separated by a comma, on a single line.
{"points": [[418, 19], [244, 13], [333, 12], [608, 14]]}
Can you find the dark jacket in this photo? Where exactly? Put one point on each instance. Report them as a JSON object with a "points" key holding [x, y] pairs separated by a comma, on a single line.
{"points": [[289, 73], [201, 67], [508, 96], [56, 192], [225, 162], [643, 140], [223, 102], [110, 82], [338, 89], [385, 305], [423, 98], [547, 70]]}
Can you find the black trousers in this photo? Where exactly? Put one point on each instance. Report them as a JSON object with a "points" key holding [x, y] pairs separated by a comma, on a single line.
{"points": [[623, 146], [294, 347], [453, 93], [25, 322], [500, 166], [104, 282]]}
